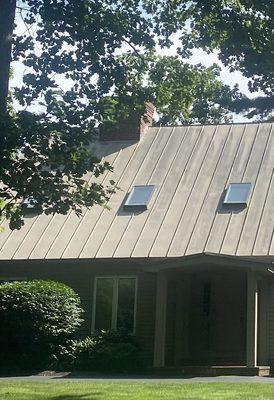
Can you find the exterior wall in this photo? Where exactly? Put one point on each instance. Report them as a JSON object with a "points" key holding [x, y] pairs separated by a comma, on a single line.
{"points": [[179, 326], [81, 278]]}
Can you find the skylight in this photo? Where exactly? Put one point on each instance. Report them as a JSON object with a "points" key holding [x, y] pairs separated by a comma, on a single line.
{"points": [[237, 193], [139, 197], [29, 203]]}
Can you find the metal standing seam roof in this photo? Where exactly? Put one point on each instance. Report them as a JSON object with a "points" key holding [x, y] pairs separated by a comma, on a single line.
{"points": [[190, 166]]}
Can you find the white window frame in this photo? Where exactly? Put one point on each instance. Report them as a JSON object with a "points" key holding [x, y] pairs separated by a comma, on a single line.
{"points": [[115, 299]]}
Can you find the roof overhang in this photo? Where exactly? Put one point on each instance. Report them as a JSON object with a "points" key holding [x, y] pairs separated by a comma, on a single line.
{"points": [[188, 264]]}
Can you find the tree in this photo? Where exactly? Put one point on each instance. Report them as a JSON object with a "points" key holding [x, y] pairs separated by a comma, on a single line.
{"points": [[182, 93], [7, 15], [106, 50], [242, 31], [44, 157]]}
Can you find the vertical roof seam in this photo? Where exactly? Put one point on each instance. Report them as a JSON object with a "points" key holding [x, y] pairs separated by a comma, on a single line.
{"points": [[176, 189], [102, 211], [270, 243], [28, 234], [161, 187], [132, 183], [226, 183], [69, 215], [262, 213], [209, 186], [10, 233], [121, 176], [193, 184], [87, 209], [243, 174], [253, 190], [11, 236], [48, 227]]}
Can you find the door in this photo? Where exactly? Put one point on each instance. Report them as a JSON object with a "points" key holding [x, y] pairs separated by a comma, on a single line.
{"points": [[217, 318]]}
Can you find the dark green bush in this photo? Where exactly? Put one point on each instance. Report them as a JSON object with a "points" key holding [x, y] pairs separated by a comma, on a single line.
{"points": [[110, 351], [36, 318]]}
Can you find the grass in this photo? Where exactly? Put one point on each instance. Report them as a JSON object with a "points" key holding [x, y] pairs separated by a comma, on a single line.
{"points": [[82, 390]]}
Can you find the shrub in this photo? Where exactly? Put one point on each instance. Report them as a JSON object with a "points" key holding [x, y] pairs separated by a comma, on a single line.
{"points": [[36, 317], [107, 351]]}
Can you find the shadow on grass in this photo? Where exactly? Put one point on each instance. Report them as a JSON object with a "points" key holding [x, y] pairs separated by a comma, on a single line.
{"points": [[88, 396], [119, 377]]}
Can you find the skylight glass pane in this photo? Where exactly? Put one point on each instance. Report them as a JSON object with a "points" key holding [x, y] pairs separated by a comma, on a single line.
{"points": [[237, 193], [29, 203], [139, 197]]}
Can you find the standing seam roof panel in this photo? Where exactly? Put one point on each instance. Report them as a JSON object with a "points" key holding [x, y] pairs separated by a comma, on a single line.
{"points": [[262, 246], [176, 207], [166, 194], [157, 178], [238, 167], [256, 204], [215, 193], [237, 219], [121, 225], [139, 161], [191, 168], [198, 192]]}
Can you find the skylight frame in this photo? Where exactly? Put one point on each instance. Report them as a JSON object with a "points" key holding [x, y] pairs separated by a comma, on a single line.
{"points": [[130, 204], [241, 201], [29, 203]]}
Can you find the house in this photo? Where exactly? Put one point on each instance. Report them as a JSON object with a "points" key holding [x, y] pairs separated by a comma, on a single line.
{"points": [[183, 259]]}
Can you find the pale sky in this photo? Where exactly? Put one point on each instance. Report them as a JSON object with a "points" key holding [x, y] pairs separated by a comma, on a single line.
{"points": [[199, 56]]}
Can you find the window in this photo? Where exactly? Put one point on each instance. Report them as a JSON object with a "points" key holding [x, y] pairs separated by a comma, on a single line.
{"points": [[29, 203], [114, 303], [139, 197], [237, 193]]}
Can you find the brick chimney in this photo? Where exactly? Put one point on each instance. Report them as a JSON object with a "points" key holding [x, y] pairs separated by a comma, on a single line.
{"points": [[132, 128]]}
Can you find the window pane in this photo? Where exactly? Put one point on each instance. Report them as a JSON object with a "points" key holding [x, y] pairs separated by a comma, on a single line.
{"points": [[237, 193], [126, 300], [104, 296], [139, 196]]}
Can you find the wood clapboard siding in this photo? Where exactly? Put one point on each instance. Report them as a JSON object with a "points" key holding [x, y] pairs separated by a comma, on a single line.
{"points": [[191, 167]]}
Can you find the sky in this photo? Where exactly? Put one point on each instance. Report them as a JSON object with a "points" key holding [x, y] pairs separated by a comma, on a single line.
{"points": [[199, 56]]}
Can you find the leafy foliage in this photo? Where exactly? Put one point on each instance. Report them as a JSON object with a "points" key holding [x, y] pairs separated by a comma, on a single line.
{"points": [[36, 317], [47, 161], [242, 31], [106, 52], [79, 39], [107, 351], [184, 93]]}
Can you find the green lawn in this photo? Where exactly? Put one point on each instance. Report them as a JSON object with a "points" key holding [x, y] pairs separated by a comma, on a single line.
{"points": [[50, 390]]}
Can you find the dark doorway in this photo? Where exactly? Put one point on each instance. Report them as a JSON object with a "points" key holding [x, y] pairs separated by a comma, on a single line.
{"points": [[217, 310]]}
